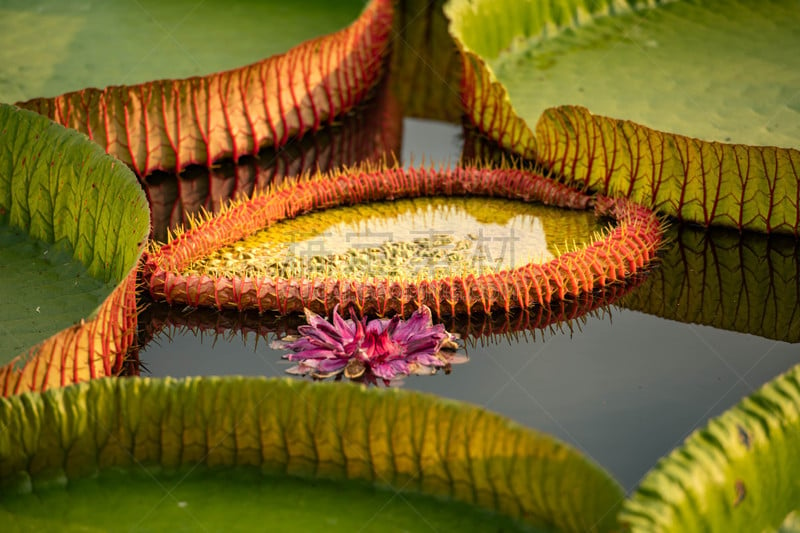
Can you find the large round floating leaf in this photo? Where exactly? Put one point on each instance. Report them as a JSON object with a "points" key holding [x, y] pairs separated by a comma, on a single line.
{"points": [[740, 473], [420, 238], [612, 256], [240, 501], [719, 70], [171, 123], [55, 44], [522, 57], [73, 223], [191, 436]]}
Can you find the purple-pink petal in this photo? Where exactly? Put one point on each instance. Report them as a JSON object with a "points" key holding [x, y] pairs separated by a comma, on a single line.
{"points": [[426, 359], [418, 322], [299, 370], [319, 337], [331, 365], [319, 353], [317, 322], [389, 348], [348, 329], [422, 344], [391, 369]]}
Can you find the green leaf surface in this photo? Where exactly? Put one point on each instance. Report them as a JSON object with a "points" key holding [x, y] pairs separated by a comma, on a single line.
{"points": [[44, 291], [739, 473], [229, 500], [73, 222], [167, 124], [409, 442], [718, 70], [686, 99], [713, 184], [49, 47]]}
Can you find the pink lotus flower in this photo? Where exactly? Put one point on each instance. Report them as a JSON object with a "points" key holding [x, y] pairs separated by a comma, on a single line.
{"points": [[369, 349]]}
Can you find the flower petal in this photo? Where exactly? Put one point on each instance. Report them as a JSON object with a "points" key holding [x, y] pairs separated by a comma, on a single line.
{"points": [[331, 365], [317, 353], [390, 369], [347, 328], [299, 370], [426, 359], [419, 321], [320, 336], [422, 346], [421, 370]]}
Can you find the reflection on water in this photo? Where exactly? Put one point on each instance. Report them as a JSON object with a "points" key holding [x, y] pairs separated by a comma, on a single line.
{"points": [[410, 238], [746, 283], [161, 323]]}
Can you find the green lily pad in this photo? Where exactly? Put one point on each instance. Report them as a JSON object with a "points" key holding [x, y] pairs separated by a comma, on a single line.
{"points": [[230, 449], [718, 70], [73, 223], [611, 256], [737, 474], [50, 47], [240, 500], [45, 290], [168, 124], [676, 66]]}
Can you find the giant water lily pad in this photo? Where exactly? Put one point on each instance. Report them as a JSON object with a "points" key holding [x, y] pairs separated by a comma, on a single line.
{"points": [[737, 474], [422, 238], [610, 257], [186, 440], [73, 223], [171, 123], [49, 47], [718, 70], [240, 501], [636, 69], [44, 291]]}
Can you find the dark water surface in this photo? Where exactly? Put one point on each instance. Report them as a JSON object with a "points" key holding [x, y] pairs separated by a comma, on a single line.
{"points": [[623, 386]]}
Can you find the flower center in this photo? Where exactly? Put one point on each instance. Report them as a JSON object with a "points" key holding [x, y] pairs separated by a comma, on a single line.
{"points": [[355, 368]]}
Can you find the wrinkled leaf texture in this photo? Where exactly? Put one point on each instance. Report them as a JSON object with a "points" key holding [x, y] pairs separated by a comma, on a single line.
{"points": [[708, 183], [739, 473], [60, 188], [410, 441], [170, 124]]}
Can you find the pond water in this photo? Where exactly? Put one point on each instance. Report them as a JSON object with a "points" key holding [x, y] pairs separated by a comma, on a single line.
{"points": [[623, 386]]}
